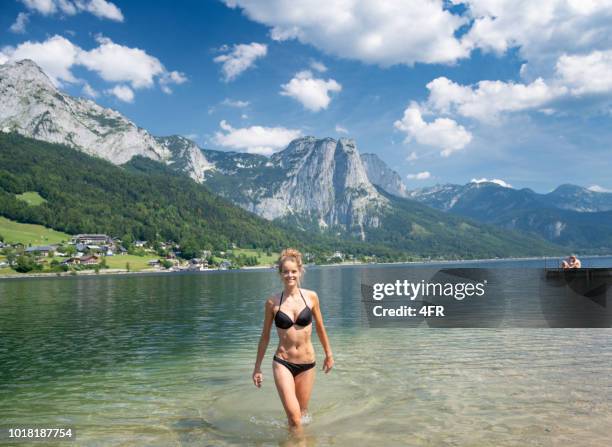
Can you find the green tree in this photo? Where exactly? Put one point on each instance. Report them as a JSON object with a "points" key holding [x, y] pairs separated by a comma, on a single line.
{"points": [[189, 249], [25, 264], [10, 254]]}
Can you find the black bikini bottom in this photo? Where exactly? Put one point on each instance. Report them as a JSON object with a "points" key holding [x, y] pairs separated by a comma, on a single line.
{"points": [[295, 368]]}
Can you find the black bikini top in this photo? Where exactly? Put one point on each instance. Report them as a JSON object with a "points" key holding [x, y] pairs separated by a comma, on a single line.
{"points": [[282, 320]]}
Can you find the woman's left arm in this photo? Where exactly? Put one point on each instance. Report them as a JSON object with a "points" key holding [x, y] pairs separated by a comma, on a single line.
{"points": [[316, 311]]}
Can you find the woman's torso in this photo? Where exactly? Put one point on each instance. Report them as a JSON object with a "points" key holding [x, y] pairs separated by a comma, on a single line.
{"points": [[294, 343]]}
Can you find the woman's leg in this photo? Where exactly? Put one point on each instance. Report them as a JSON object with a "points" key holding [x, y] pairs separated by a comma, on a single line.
{"points": [[303, 388], [285, 386]]}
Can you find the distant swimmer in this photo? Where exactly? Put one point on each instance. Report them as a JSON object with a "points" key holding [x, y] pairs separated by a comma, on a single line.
{"points": [[571, 263], [292, 312]]}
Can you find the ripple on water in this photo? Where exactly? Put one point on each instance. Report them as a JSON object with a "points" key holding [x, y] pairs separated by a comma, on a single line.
{"points": [[168, 361]]}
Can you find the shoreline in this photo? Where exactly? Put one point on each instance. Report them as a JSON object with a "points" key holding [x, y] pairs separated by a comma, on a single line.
{"points": [[109, 272], [112, 272]]}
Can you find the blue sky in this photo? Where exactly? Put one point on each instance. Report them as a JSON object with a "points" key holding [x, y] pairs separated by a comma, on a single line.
{"points": [[444, 92]]}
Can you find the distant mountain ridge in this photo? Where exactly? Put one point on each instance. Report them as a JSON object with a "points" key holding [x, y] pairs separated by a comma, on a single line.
{"points": [[567, 197], [570, 215], [577, 198]]}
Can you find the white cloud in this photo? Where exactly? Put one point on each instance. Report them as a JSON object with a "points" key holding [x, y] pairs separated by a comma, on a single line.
{"points": [[388, 32], [118, 63], [255, 139], [100, 8], [55, 56], [67, 7], [313, 93], [443, 133], [122, 92], [19, 27], [112, 62], [237, 103], [597, 188], [45, 7], [493, 180], [90, 91], [412, 157], [384, 32], [589, 73], [419, 176], [340, 129], [172, 77], [240, 58], [547, 111], [541, 30], [318, 66], [575, 75], [488, 99]]}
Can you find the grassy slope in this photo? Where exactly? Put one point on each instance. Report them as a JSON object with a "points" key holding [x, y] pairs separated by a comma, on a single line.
{"points": [[263, 259], [137, 263], [32, 198], [27, 234]]}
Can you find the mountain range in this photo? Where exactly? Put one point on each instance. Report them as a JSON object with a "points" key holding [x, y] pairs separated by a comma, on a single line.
{"points": [[321, 185], [570, 215]]}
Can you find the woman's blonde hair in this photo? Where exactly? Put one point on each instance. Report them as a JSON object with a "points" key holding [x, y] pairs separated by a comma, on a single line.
{"points": [[290, 254]]}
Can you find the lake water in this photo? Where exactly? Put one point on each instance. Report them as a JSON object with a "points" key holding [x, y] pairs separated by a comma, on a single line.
{"points": [[164, 360]]}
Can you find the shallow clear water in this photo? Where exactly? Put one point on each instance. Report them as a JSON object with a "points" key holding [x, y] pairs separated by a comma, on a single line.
{"points": [[166, 360]]}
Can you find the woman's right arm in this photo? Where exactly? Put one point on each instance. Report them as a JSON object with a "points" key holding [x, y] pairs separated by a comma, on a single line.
{"points": [[264, 339]]}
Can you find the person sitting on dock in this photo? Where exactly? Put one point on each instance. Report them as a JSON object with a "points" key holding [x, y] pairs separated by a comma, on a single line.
{"points": [[571, 263]]}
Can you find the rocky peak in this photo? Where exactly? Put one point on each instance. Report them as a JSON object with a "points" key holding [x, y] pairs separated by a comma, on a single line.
{"points": [[325, 182], [25, 72], [186, 156], [577, 198], [297, 152], [32, 106], [382, 175]]}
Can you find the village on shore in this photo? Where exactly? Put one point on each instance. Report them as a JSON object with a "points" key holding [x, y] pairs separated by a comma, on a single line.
{"points": [[89, 253], [94, 251]]}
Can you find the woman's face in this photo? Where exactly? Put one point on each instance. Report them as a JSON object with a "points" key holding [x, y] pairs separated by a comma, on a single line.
{"points": [[290, 272]]}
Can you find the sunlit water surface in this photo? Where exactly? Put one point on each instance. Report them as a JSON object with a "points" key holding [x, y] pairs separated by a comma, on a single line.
{"points": [[164, 360]]}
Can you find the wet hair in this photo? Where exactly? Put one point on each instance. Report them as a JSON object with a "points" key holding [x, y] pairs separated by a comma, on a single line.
{"points": [[290, 254]]}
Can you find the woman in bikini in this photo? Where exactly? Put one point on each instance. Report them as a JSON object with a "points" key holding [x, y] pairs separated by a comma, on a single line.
{"points": [[293, 366]]}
